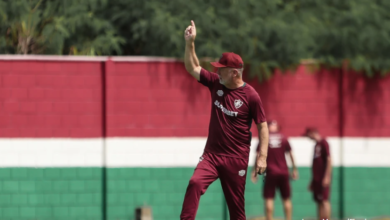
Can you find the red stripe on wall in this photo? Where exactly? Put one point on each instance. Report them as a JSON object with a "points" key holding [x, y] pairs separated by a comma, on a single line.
{"points": [[159, 99], [300, 99], [50, 99], [156, 99], [367, 106]]}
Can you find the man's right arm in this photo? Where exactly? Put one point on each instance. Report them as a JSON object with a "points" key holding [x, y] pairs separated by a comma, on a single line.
{"points": [[294, 173], [191, 61]]}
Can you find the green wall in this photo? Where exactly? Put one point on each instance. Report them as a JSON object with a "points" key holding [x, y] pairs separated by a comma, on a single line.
{"points": [[76, 193], [53, 193]]}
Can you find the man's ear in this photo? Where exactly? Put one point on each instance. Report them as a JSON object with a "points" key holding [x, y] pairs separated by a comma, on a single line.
{"points": [[235, 72]]}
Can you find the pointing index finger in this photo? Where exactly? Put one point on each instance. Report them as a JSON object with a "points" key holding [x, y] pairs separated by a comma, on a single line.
{"points": [[192, 23]]}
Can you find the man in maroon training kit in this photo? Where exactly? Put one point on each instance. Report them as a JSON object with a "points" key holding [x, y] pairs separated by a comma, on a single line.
{"points": [[321, 173], [277, 172], [234, 105]]}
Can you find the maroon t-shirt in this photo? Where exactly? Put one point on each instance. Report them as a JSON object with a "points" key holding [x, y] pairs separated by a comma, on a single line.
{"points": [[320, 160], [232, 112], [276, 159]]}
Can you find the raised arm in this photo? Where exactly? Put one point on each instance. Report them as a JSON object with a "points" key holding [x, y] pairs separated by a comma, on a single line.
{"points": [[191, 61]]}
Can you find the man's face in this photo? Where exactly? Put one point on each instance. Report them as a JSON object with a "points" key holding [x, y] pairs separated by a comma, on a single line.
{"points": [[225, 75], [273, 127]]}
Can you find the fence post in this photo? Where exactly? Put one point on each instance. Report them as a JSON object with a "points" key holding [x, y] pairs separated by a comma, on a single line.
{"points": [[341, 135], [107, 67]]}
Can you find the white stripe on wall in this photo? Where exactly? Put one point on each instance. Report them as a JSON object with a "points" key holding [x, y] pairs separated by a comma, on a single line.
{"points": [[169, 152], [51, 152], [366, 151], [303, 149], [154, 152]]}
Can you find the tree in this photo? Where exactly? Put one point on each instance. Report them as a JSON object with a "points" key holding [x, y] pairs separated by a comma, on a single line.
{"points": [[356, 31], [268, 34], [56, 27]]}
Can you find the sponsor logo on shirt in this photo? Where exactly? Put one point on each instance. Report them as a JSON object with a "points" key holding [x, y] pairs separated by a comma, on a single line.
{"points": [[238, 103], [241, 172], [220, 93], [224, 110]]}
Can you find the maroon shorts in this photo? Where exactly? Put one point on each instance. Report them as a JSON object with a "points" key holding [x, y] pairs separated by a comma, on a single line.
{"points": [[320, 193], [272, 182]]}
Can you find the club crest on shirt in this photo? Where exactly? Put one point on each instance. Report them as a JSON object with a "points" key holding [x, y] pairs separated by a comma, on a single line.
{"points": [[241, 172], [275, 141], [220, 93], [238, 103]]}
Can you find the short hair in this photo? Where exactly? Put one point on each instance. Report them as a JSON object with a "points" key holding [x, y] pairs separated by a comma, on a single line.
{"points": [[310, 130]]}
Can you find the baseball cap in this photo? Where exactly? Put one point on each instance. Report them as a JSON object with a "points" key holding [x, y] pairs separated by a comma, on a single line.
{"points": [[309, 130], [229, 59]]}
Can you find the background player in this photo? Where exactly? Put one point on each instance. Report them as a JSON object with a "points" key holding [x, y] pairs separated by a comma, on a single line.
{"points": [[234, 105], [321, 173], [277, 171]]}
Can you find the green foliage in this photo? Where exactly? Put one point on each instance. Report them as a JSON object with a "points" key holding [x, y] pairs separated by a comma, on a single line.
{"points": [[357, 31], [56, 27], [268, 34]]}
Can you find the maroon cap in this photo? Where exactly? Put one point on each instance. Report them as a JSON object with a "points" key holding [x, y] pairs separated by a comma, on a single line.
{"points": [[229, 59], [309, 130]]}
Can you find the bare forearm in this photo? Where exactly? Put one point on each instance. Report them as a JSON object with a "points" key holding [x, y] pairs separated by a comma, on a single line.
{"points": [[190, 59], [263, 136], [254, 161], [292, 161], [261, 157], [328, 171], [195, 58]]}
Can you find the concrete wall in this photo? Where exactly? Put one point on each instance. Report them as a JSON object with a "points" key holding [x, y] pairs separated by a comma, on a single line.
{"points": [[62, 119]]}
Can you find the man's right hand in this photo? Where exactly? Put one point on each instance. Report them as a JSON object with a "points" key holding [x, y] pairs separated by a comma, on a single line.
{"points": [[310, 187], [294, 174], [254, 176], [190, 33]]}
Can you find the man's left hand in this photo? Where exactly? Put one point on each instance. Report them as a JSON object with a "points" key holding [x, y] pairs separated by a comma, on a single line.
{"points": [[261, 165]]}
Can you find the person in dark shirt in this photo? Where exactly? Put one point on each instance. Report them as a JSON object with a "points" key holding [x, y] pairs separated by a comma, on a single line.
{"points": [[235, 104], [321, 173], [277, 174]]}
